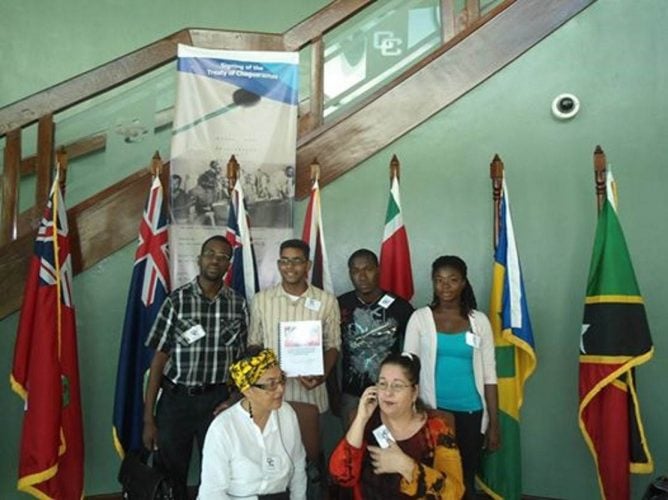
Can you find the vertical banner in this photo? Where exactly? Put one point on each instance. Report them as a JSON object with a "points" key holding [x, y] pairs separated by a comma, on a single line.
{"points": [[242, 103]]}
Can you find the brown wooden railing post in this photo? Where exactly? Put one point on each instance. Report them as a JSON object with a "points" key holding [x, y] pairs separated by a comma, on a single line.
{"points": [[10, 187], [44, 162], [447, 19], [496, 174], [600, 168], [472, 11], [317, 97]]}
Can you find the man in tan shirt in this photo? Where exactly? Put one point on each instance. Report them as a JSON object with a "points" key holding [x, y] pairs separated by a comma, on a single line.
{"points": [[294, 299]]}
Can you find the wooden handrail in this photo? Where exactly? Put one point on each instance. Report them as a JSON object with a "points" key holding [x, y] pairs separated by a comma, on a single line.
{"points": [[460, 63], [447, 45], [322, 22], [43, 105], [91, 83], [367, 128], [130, 66]]}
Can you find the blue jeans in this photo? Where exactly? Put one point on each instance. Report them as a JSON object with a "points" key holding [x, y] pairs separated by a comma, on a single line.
{"points": [[180, 418]]}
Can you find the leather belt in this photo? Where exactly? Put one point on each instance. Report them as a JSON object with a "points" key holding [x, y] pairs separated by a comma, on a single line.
{"points": [[189, 390]]}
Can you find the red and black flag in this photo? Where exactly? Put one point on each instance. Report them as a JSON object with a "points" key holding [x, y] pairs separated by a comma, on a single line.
{"points": [[615, 339]]}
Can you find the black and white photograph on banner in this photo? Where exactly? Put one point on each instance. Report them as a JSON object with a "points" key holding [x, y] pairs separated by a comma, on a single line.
{"points": [[242, 104]]}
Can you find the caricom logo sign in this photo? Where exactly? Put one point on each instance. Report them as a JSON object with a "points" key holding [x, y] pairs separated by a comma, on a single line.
{"points": [[387, 43]]}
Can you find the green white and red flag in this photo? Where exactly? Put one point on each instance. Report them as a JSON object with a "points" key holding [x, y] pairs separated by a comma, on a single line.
{"points": [[396, 274]]}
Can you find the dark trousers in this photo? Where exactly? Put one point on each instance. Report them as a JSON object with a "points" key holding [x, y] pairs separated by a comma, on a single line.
{"points": [[180, 418], [469, 441]]}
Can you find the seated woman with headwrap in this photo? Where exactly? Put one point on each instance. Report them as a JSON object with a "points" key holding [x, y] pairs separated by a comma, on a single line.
{"points": [[254, 449]]}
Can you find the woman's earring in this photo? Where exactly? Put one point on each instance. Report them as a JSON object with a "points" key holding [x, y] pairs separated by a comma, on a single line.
{"points": [[250, 409]]}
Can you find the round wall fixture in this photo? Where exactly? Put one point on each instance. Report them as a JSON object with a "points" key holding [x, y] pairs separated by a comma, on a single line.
{"points": [[565, 106]]}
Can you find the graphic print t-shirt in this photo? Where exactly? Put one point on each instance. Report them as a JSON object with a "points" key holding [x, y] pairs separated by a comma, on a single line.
{"points": [[369, 332]]}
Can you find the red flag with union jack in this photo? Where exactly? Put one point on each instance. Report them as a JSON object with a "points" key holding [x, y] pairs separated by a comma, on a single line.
{"points": [[149, 287], [45, 372]]}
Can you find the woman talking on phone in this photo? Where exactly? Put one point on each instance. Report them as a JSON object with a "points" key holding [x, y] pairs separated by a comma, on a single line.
{"points": [[456, 345], [394, 448]]}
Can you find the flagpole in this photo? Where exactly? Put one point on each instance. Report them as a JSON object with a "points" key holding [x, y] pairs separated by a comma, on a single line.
{"points": [[232, 173], [496, 174], [600, 166], [156, 164], [61, 167], [395, 168], [315, 171]]}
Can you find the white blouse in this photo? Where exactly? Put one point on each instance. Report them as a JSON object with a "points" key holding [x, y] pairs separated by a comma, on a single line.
{"points": [[241, 461], [421, 339]]}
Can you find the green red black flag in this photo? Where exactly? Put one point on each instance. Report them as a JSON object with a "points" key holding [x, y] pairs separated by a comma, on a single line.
{"points": [[615, 338]]}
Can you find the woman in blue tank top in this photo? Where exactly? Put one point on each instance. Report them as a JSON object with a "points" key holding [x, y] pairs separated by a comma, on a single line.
{"points": [[456, 345]]}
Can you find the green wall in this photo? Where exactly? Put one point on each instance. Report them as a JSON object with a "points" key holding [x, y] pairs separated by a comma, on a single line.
{"points": [[44, 43], [611, 56]]}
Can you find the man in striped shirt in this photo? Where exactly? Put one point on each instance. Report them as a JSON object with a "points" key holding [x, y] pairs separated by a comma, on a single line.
{"points": [[294, 299], [200, 330]]}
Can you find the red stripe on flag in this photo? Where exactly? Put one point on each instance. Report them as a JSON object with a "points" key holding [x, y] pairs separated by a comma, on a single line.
{"points": [[396, 274], [606, 420]]}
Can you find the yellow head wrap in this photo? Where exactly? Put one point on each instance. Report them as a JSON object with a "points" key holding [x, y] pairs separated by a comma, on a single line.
{"points": [[248, 371]]}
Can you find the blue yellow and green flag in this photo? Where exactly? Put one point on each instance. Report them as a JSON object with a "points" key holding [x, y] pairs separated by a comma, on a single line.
{"points": [[501, 475]]}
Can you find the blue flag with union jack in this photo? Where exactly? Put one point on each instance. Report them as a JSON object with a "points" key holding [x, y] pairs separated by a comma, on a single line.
{"points": [[242, 274], [149, 287]]}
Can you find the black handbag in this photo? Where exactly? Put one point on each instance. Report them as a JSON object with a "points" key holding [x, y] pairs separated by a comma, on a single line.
{"points": [[140, 481], [657, 490]]}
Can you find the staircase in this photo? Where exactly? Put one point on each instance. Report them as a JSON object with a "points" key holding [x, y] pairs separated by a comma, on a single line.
{"points": [[460, 43]]}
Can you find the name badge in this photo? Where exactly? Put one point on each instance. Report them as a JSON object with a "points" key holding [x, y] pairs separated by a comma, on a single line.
{"points": [[271, 463], [386, 301], [473, 340], [383, 436], [194, 333], [312, 304]]}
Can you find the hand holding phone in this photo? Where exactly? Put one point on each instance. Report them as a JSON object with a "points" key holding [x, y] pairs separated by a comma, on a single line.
{"points": [[368, 403]]}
